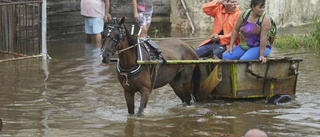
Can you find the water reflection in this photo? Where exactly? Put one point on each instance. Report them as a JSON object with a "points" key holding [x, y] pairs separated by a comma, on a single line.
{"points": [[73, 94]]}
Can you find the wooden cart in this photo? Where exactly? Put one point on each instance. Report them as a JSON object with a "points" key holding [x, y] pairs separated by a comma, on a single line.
{"points": [[248, 78]]}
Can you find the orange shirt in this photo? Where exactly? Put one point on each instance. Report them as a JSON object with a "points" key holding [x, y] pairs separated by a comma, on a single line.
{"points": [[222, 21]]}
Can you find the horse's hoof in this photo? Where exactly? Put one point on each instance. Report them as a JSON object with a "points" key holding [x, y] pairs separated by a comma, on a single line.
{"points": [[184, 104], [140, 114]]}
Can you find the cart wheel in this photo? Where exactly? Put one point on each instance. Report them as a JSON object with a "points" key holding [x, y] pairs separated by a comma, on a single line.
{"points": [[280, 98], [0, 124]]}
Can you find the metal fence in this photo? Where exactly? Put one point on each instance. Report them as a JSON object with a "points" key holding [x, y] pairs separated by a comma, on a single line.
{"points": [[20, 30]]}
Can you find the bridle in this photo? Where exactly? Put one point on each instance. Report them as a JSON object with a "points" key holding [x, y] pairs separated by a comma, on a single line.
{"points": [[120, 36], [138, 68], [127, 73], [122, 33]]}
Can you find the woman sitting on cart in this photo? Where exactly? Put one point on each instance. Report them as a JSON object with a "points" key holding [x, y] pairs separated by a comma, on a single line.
{"points": [[253, 42]]}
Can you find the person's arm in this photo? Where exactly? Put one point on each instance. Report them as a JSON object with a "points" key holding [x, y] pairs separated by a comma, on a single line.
{"points": [[106, 17], [135, 9], [225, 38], [265, 27], [210, 8], [235, 33]]}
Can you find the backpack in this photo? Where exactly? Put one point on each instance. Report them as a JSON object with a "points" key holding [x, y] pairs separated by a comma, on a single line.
{"points": [[273, 29]]}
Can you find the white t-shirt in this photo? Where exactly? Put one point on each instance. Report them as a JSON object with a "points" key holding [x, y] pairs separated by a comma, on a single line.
{"points": [[93, 8]]}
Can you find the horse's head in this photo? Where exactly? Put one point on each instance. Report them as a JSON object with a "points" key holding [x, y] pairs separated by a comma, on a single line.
{"points": [[114, 34]]}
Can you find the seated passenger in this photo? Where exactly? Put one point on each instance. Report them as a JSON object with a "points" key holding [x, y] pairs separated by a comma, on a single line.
{"points": [[225, 14], [254, 43]]}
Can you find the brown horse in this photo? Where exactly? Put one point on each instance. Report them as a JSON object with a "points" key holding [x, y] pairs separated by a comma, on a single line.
{"points": [[140, 78]]}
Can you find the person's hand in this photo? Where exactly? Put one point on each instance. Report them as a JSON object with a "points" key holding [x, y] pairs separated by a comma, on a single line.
{"points": [[107, 18], [215, 37], [228, 50], [223, 2], [136, 16], [262, 59]]}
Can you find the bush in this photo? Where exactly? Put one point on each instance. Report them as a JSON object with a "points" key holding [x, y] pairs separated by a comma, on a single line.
{"points": [[310, 40]]}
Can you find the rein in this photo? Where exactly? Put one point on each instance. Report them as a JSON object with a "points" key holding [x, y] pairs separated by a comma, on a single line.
{"points": [[135, 71], [130, 47], [122, 34]]}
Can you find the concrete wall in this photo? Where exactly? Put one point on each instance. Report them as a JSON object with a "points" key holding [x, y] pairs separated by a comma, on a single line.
{"points": [[64, 19], [284, 12], [65, 22]]}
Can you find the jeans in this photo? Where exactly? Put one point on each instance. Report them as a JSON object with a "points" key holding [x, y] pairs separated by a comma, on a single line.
{"points": [[239, 54], [204, 51]]}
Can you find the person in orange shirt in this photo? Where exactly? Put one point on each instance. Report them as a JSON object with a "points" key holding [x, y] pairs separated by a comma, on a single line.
{"points": [[225, 14]]}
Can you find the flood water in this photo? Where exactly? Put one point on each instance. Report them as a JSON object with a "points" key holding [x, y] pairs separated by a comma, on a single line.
{"points": [[74, 94]]}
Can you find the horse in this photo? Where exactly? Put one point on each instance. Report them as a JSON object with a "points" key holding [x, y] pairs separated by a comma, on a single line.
{"points": [[143, 78]]}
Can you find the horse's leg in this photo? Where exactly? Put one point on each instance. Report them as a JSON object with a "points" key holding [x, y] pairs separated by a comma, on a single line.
{"points": [[182, 84], [130, 101], [144, 100], [179, 90], [186, 80], [186, 88]]}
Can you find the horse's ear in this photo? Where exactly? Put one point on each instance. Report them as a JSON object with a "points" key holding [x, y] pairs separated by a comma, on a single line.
{"points": [[122, 20]]}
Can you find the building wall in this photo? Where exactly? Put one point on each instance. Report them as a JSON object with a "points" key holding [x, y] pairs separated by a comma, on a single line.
{"points": [[64, 20], [284, 12]]}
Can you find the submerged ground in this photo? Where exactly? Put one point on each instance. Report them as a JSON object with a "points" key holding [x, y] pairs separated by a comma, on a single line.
{"points": [[74, 94]]}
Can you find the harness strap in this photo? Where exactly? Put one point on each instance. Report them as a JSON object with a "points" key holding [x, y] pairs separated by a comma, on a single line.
{"points": [[130, 73], [130, 47], [247, 13], [126, 75], [110, 29], [154, 77], [261, 18]]}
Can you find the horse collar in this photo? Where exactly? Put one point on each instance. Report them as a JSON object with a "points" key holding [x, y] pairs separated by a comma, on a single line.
{"points": [[136, 70], [130, 73]]}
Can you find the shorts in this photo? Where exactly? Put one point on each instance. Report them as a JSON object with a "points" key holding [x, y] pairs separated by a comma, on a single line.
{"points": [[145, 18], [93, 25]]}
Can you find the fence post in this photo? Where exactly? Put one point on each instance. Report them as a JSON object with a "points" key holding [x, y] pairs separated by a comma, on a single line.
{"points": [[44, 30]]}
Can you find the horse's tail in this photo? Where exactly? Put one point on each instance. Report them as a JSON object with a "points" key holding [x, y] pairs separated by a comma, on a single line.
{"points": [[196, 81]]}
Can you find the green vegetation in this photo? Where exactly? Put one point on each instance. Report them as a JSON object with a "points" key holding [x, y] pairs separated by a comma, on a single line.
{"points": [[155, 32], [310, 40]]}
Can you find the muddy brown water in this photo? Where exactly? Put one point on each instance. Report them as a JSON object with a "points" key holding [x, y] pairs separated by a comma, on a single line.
{"points": [[74, 94]]}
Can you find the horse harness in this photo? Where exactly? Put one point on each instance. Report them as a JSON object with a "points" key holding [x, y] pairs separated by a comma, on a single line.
{"points": [[151, 47], [121, 37], [154, 53]]}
